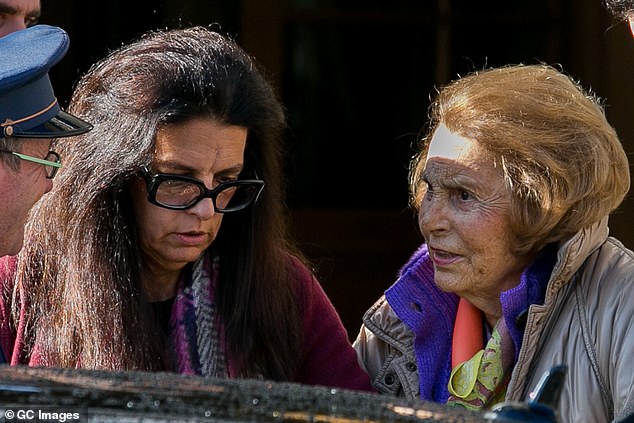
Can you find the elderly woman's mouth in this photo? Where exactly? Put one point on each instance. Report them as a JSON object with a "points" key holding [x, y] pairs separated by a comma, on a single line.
{"points": [[442, 257]]}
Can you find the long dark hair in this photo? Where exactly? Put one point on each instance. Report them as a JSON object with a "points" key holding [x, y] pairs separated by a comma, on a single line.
{"points": [[81, 265]]}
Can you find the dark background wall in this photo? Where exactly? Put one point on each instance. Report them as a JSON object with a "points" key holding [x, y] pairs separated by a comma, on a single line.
{"points": [[356, 77]]}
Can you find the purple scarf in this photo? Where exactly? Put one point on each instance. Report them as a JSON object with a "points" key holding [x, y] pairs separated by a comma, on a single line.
{"points": [[430, 313], [196, 338]]}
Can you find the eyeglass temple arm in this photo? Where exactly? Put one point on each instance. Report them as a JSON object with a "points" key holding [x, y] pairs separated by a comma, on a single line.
{"points": [[36, 160]]}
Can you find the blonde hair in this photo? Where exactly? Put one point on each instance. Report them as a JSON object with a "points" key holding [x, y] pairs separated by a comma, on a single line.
{"points": [[562, 161]]}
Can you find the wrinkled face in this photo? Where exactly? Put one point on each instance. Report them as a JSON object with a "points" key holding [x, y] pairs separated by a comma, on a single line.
{"points": [[18, 14], [19, 191], [200, 148], [465, 219]]}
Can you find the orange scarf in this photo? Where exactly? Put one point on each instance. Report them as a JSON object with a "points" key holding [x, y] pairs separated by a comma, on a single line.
{"points": [[467, 333]]}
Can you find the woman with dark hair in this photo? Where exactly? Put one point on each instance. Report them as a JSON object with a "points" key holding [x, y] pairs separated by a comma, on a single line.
{"points": [[513, 183], [163, 245]]}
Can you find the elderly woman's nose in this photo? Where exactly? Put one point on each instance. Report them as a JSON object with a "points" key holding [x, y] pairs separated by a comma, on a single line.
{"points": [[432, 214]]}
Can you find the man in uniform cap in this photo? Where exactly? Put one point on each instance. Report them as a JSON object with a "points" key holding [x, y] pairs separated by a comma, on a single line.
{"points": [[30, 118]]}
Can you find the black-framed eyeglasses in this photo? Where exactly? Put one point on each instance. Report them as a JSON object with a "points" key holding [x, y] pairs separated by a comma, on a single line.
{"points": [[52, 162], [179, 192]]}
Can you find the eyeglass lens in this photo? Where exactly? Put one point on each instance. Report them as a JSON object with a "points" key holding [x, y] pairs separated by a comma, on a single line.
{"points": [[182, 194], [51, 171]]}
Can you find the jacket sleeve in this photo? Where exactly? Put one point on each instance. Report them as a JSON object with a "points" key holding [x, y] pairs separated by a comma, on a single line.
{"points": [[613, 327], [385, 347], [327, 358], [371, 349]]}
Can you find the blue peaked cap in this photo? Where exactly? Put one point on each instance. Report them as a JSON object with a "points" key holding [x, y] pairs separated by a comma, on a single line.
{"points": [[28, 106]]}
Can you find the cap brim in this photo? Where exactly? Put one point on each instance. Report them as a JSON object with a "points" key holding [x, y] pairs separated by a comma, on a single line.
{"points": [[61, 125]]}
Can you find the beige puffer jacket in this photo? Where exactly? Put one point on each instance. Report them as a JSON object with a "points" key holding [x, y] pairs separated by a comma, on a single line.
{"points": [[586, 323]]}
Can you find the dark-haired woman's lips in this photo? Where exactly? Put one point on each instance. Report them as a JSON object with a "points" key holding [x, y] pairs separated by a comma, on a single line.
{"points": [[192, 238]]}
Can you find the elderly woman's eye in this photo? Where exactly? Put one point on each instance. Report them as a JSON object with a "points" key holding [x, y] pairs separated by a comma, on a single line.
{"points": [[465, 196]]}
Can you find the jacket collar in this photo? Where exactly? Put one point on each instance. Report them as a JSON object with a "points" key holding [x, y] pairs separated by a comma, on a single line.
{"points": [[573, 253]]}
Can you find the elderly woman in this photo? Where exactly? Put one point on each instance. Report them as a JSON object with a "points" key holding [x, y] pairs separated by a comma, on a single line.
{"points": [[514, 185], [162, 246]]}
